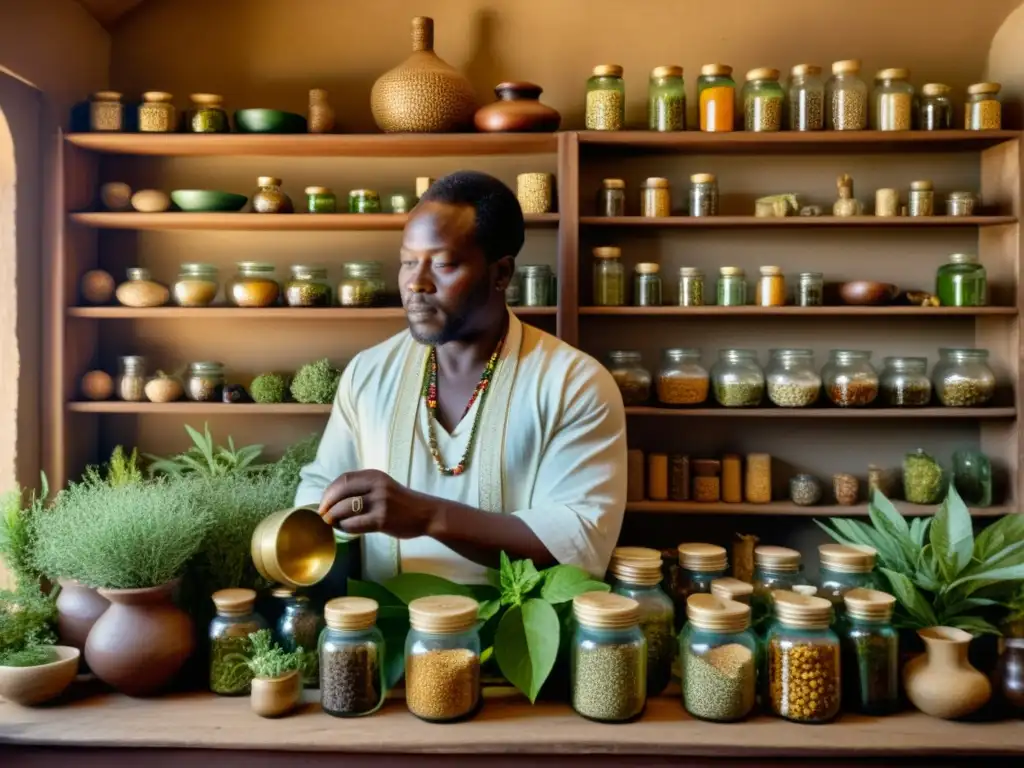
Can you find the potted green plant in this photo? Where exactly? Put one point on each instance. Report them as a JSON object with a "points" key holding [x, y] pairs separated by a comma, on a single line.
{"points": [[277, 678]]}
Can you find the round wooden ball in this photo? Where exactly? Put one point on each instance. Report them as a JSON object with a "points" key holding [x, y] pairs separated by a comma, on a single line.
{"points": [[98, 286], [97, 385], [116, 196], [151, 201]]}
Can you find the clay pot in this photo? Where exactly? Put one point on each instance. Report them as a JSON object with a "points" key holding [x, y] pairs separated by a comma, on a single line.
{"points": [[276, 696], [942, 682], [78, 608], [423, 94], [321, 114], [142, 641], [1010, 677], [517, 110]]}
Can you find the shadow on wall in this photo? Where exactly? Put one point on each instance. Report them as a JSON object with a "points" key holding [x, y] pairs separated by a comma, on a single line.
{"points": [[9, 362], [1006, 66]]}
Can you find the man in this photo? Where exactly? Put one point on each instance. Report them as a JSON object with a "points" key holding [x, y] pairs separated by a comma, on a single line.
{"points": [[470, 434]]}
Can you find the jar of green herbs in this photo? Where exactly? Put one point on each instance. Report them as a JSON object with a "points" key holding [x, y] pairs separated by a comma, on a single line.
{"points": [[870, 653], [321, 200], [609, 277], [774, 568], [299, 627], [230, 646], [207, 114], [647, 285], [606, 99], [640, 580], [923, 481], [732, 287], [361, 284], [363, 201], [842, 568], [308, 287], [666, 100], [962, 282]]}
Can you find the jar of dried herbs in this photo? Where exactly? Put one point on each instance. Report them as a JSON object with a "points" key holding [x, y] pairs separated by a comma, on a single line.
{"points": [[691, 287], [682, 380], [611, 198], [131, 379], [762, 100], [207, 114], [634, 381], [810, 289], [842, 568], [893, 100], [849, 378], [804, 490], [806, 98], [157, 113], [308, 287], [253, 285], [847, 97], [442, 658], [934, 109], [792, 378], [962, 378], [641, 581], [608, 667], [699, 565], [732, 287], [703, 194], [960, 203], [737, 379], [536, 285], [196, 285], [230, 646], [774, 568], [205, 382], [647, 285], [606, 99], [923, 480], [299, 626], [609, 277], [321, 200], [106, 112], [656, 198], [361, 284], [351, 658], [904, 382], [962, 282], [363, 201], [870, 653], [666, 100]]}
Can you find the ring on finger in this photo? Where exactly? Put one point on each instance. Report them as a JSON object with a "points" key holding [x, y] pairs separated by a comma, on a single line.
{"points": [[357, 505]]}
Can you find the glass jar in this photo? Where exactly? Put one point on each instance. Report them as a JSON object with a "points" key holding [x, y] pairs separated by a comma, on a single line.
{"points": [[962, 378], [892, 100], [849, 378], [843, 568], [718, 654], [792, 379], [536, 285], [960, 203], [363, 201], [774, 568], [923, 481], [254, 285], [157, 113], [1009, 677], [921, 201], [682, 380], [131, 379], [608, 675], [666, 100], [699, 565], [307, 287], [647, 285], [141, 290], [606, 99], [904, 382], [934, 109], [708, 476], [611, 199], [196, 285], [351, 651], [656, 198], [771, 288], [679, 477], [847, 97], [269, 198], [230, 645], [205, 382], [737, 379], [983, 112], [972, 477], [321, 200], [401, 203], [805, 490], [806, 98], [442, 658], [762, 100], [609, 277], [361, 284], [106, 113], [870, 653], [716, 91], [703, 194], [810, 289], [691, 287], [535, 192], [962, 282], [641, 581], [732, 478], [758, 486], [634, 381], [804, 683], [732, 287], [207, 114]]}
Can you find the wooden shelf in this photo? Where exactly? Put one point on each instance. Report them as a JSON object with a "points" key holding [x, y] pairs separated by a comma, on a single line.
{"points": [[270, 313], [938, 412], [739, 222], [788, 508], [294, 222], [715, 311], [199, 409]]}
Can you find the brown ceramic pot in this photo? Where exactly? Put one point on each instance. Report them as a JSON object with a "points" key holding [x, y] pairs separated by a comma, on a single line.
{"points": [[142, 640], [273, 697], [942, 682], [517, 110], [78, 608]]}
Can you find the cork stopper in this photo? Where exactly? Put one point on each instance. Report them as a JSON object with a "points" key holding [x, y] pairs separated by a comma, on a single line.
{"points": [[893, 73], [869, 604], [717, 614], [608, 70], [613, 184], [983, 88], [671, 70], [607, 252], [157, 97], [690, 272], [268, 181], [443, 614], [234, 602], [921, 186], [846, 67], [735, 271], [422, 33], [803, 70], [604, 610], [935, 89], [801, 611], [702, 557], [729, 588], [318, 191], [763, 73], [771, 271], [106, 96], [963, 258], [777, 558], [282, 592], [206, 99], [844, 559], [644, 573], [648, 268], [716, 70], [702, 178], [656, 182], [351, 613]]}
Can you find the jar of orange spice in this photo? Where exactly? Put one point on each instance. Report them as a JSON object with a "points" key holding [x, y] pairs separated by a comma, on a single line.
{"points": [[771, 288], [682, 380]]}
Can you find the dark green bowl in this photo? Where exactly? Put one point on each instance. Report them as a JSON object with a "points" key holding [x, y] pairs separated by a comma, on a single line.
{"points": [[269, 121], [207, 200]]}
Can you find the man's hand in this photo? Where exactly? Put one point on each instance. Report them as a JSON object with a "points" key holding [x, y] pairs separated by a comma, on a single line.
{"points": [[369, 501]]}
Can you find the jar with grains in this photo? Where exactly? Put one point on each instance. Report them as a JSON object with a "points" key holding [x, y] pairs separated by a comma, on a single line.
{"points": [[269, 197], [535, 192], [732, 479], [442, 658], [849, 378], [682, 380], [962, 282], [196, 285], [718, 653], [141, 290], [732, 287], [666, 100], [641, 581], [656, 198], [609, 277], [962, 378], [887, 202], [737, 379], [893, 100], [707, 483], [728, 588], [934, 109], [762, 100], [960, 203], [606, 99], [691, 287], [647, 285], [983, 111], [207, 114], [106, 113], [810, 291], [805, 490], [806, 98], [846, 489], [758, 486], [843, 568], [308, 287], [361, 284], [774, 568], [923, 479], [608, 658], [716, 91], [804, 683], [299, 626], [703, 194], [972, 477], [230, 645], [131, 379], [536, 285], [205, 382], [904, 382], [611, 198], [253, 285], [771, 288], [699, 565], [633, 380], [351, 650], [679, 477], [847, 97], [870, 653], [792, 378], [921, 200], [157, 113], [657, 476], [321, 200]]}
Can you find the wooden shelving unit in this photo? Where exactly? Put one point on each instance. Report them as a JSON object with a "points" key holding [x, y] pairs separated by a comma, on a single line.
{"points": [[794, 222], [790, 510], [249, 222]]}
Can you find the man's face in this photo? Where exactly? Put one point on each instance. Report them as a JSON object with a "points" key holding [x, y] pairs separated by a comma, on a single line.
{"points": [[444, 277]]}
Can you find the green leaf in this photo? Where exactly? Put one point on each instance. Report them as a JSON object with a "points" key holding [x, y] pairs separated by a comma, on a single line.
{"points": [[1009, 528], [410, 586], [483, 592], [526, 645], [918, 608], [833, 533], [1009, 573], [488, 609], [527, 577], [952, 537], [966, 605], [374, 591], [563, 582], [926, 576], [494, 578], [889, 552], [975, 625], [885, 510]]}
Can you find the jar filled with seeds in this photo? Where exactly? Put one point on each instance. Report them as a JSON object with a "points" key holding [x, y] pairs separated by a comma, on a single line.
{"points": [[535, 192], [806, 98], [960, 203], [156, 113], [708, 476], [106, 113], [934, 109], [870, 653], [849, 378], [609, 277], [847, 97], [792, 378], [442, 658], [321, 200], [641, 581], [606, 99], [656, 198], [810, 289], [904, 382], [962, 378], [308, 287], [771, 288], [196, 285], [141, 290], [361, 284], [892, 100], [805, 490], [732, 287], [634, 381], [691, 287], [363, 201], [804, 682], [536, 285], [666, 100], [962, 282], [921, 201], [983, 111], [699, 565], [728, 588], [299, 626], [923, 479], [608, 672], [205, 382], [843, 568], [762, 100], [758, 486], [207, 114], [352, 659], [230, 646], [130, 385], [647, 285], [846, 489], [774, 568], [732, 478], [703, 194], [269, 197], [716, 91], [254, 285], [682, 380], [737, 379], [611, 198]]}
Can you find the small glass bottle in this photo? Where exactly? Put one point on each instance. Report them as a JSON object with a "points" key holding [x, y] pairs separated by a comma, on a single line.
{"points": [[254, 285], [606, 99], [792, 378], [962, 282], [703, 194], [196, 285], [269, 198], [691, 287], [361, 284], [806, 98], [810, 290], [983, 111], [611, 199], [157, 113], [732, 287], [716, 91], [131, 379], [230, 645], [893, 100], [536, 285], [870, 653], [351, 651], [843, 568], [641, 581], [762, 101], [666, 100], [647, 285], [904, 382], [847, 97], [609, 277], [774, 568], [205, 382], [442, 658], [849, 378], [737, 379], [656, 198], [962, 378], [321, 200], [308, 287], [699, 565], [972, 477], [921, 201], [934, 109], [771, 288], [633, 380], [207, 114], [106, 112]]}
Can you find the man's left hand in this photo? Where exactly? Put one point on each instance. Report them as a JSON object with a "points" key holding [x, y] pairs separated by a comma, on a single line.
{"points": [[369, 501]]}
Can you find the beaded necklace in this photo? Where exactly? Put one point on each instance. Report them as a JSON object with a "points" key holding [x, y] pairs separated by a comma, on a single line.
{"points": [[430, 397]]}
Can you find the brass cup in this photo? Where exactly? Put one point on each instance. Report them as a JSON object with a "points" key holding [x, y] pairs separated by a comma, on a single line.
{"points": [[294, 547]]}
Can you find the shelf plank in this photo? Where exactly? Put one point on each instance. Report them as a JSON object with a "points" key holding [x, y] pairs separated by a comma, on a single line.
{"points": [[185, 408], [269, 313], [739, 222], [843, 311], [295, 222], [938, 412], [790, 509]]}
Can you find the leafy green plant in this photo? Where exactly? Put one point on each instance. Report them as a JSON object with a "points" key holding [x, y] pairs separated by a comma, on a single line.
{"points": [[32, 656], [16, 532], [205, 458], [269, 660], [316, 382], [268, 388], [27, 621], [939, 573], [122, 469]]}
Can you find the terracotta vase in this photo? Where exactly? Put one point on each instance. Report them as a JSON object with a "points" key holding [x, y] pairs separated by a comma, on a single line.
{"points": [[942, 682], [276, 696], [78, 608], [1010, 677], [517, 110], [321, 114], [142, 641], [423, 94]]}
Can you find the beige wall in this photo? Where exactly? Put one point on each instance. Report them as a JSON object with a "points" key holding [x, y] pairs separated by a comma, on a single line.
{"points": [[1006, 65]]}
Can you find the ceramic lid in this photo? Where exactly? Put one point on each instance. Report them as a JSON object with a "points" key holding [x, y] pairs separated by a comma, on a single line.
{"points": [[350, 613], [444, 614], [604, 610]]}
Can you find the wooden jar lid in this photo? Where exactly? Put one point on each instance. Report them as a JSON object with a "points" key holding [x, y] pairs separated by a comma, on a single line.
{"points": [[702, 557], [604, 610], [443, 614], [350, 613], [717, 614], [234, 602]]}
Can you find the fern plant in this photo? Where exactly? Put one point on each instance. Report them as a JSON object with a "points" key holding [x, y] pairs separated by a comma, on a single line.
{"points": [[206, 458], [122, 469], [269, 660], [16, 531]]}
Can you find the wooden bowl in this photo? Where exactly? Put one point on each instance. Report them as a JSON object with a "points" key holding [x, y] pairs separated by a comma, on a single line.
{"points": [[207, 200], [35, 685], [294, 547], [867, 293]]}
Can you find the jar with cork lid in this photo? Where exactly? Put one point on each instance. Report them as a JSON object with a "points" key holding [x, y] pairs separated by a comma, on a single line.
{"points": [[732, 287], [846, 96], [299, 626], [921, 200], [609, 277], [666, 100], [774, 568], [703, 194], [892, 100], [156, 113], [106, 112], [130, 384], [606, 99], [762, 100], [843, 568], [442, 658], [806, 98], [647, 285], [229, 640], [716, 91], [870, 653], [207, 114], [352, 680], [983, 111], [640, 580], [699, 565], [771, 288], [691, 287], [656, 198], [611, 198], [934, 108]]}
